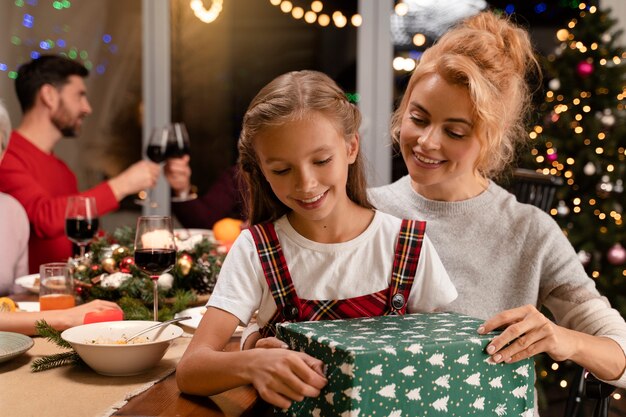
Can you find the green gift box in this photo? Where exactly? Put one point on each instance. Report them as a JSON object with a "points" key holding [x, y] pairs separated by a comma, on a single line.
{"points": [[412, 365]]}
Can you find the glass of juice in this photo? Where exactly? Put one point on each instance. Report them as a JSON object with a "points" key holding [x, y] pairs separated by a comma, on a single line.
{"points": [[56, 287]]}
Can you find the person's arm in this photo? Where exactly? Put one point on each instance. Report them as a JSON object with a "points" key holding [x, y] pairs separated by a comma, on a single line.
{"points": [[529, 332], [587, 330], [24, 321], [279, 375], [46, 212], [137, 177]]}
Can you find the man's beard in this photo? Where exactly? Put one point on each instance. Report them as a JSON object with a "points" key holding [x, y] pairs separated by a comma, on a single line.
{"points": [[62, 121]]}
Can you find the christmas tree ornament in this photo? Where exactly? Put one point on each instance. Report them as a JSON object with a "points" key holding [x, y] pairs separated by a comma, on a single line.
{"points": [[616, 255], [604, 187], [606, 37], [185, 262], [165, 281], [554, 84], [562, 209], [114, 280], [121, 251], [589, 168], [607, 118], [584, 69], [619, 187], [126, 263], [552, 156], [109, 265], [584, 257]]}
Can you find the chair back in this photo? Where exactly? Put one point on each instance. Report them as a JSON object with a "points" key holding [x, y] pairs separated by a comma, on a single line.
{"points": [[534, 188]]}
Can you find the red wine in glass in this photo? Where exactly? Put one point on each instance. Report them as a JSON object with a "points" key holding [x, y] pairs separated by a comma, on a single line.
{"points": [[155, 250], [155, 262], [81, 230], [156, 153], [81, 221]]}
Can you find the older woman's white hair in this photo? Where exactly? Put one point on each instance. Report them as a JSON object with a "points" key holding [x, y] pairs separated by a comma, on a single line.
{"points": [[5, 126]]}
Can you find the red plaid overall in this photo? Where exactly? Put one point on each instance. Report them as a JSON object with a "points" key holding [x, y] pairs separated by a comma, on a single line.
{"points": [[290, 307]]}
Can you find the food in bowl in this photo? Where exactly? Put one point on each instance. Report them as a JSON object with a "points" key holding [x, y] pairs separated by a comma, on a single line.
{"points": [[108, 341], [116, 359]]}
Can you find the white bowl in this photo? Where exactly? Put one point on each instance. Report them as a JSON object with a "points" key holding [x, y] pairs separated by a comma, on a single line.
{"points": [[120, 359]]}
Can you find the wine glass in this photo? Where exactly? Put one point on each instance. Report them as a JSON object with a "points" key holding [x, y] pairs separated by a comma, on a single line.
{"points": [[156, 151], [170, 141], [155, 250], [178, 141], [81, 221]]}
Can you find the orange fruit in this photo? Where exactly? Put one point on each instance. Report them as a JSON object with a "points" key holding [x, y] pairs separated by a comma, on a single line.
{"points": [[227, 229], [6, 304]]}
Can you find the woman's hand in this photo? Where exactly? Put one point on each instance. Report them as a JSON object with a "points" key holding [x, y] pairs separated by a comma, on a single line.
{"points": [[281, 376], [527, 332]]}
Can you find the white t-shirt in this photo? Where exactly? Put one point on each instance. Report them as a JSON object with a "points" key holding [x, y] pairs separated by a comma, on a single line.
{"points": [[323, 271]]}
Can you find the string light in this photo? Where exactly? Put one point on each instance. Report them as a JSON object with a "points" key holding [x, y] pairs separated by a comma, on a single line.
{"points": [[314, 14], [204, 14]]}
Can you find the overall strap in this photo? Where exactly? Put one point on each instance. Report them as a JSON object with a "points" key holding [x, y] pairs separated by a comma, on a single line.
{"points": [[407, 255], [276, 274]]}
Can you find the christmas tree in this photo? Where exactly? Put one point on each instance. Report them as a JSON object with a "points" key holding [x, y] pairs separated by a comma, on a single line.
{"points": [[581, 137]]}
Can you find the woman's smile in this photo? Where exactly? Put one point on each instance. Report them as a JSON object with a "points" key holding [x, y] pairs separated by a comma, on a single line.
{"points": [[427, 162]]}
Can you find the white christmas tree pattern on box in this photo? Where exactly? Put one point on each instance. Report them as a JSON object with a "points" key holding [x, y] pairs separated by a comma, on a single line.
{"points": [[412, 365]]}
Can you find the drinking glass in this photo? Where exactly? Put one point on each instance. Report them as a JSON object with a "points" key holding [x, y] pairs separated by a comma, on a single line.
{"points": [[170, 141], [155, 250], [178, 141], [56, 287], [81, 221], [156, 151]]}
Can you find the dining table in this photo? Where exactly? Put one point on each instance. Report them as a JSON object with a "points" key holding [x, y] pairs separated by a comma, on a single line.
{"points": [[78, 391]]}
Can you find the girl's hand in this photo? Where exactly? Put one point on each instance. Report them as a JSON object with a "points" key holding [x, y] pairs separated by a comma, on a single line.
{"points": [[281, 376], [529, 332], [270, 343]]}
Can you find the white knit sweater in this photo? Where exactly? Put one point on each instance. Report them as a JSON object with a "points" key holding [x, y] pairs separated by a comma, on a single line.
{"points": [[502, 254]]}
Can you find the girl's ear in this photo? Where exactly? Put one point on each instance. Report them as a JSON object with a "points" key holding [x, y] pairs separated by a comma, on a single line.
{"points": [[352, 148]]}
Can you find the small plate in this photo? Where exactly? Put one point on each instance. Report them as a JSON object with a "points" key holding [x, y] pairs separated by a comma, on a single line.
{"points": [[30, 282], [196, 314], [13, 344], [28, 305]]}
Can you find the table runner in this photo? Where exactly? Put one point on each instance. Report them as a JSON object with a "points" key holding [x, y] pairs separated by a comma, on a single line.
{"points": [[73, 391]]}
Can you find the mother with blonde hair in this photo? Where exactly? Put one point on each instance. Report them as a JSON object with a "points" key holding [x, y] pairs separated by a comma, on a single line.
{"points": [[457, 126]]}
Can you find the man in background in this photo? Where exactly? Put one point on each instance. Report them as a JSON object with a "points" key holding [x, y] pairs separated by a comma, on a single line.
{"points": [[53, 98]]}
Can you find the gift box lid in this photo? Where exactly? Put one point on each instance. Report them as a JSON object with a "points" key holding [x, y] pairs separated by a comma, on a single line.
{"points": [[416, 364]]}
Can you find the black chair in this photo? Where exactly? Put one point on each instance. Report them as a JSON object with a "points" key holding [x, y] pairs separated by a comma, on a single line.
{"points": [[588, 386], [539, 190], [535, 188]]}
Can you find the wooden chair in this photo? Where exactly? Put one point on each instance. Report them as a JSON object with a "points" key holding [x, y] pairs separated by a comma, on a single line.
{"points": [[539, 190]]}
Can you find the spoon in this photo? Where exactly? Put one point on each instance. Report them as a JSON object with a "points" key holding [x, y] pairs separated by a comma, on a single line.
{"points": [[156, 326]]}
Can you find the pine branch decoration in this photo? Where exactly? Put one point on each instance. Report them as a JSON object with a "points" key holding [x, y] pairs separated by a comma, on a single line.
{"points": [[58, 359], [43, 329]]}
